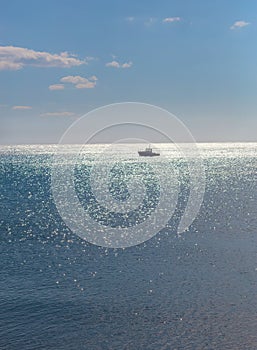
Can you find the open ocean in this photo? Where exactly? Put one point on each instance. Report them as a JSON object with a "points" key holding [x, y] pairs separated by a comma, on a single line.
{"points": [[197, 290]]}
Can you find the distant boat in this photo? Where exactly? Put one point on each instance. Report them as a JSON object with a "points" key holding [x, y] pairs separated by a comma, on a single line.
{"points": [[148, 152]]}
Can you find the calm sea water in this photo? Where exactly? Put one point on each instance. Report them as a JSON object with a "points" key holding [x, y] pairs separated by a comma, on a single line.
{"points": [[194, 291]]}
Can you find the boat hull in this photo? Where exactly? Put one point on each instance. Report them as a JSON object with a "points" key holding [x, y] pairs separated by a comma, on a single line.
{"points": [[148, 154]]}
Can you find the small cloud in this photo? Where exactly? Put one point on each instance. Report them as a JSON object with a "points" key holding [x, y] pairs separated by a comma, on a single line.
{"points": [[88, 85], [150, 21], [126, 65], [73, 79], [171, 19], [80, 82], [116, 64], [7, 65], [15, 58], [113, 64], [130, 19], [21, 108], [91, 58], [56, 87], [58, 114], [93, 78], [239, 24]]}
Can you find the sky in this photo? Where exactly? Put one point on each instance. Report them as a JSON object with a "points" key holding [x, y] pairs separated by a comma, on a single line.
{"points": [[61, 59]]}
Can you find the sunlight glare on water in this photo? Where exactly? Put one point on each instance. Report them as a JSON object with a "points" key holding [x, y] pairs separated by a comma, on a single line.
{"points": [[194, 291]]}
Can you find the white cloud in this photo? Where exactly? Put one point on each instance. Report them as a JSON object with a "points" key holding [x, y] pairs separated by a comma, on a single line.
{"points": [[56, 87], [93, 78], [116, 64], [88, 85], [21, 107], [14, 58], [91, 58], [73, 79], [239, 24], [150, 21], [130, 19], [5, 65], [80, 82], [126, 65], [58, 114], [171, 19]]}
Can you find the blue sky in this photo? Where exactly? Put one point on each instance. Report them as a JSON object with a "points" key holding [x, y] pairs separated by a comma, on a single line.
{"points": [[61, 59]]}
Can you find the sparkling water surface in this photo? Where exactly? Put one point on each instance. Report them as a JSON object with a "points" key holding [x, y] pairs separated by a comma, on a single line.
{"points": [[192, 291]]}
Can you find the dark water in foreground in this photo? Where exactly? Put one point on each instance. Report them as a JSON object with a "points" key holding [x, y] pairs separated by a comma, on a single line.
{"points": [[197, 291]]}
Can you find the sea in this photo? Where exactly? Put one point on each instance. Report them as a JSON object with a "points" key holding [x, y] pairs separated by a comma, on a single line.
{"points": [[193, 290]]}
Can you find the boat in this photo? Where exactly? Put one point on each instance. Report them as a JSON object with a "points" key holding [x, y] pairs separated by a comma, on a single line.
{"points": [[148, 152]]}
